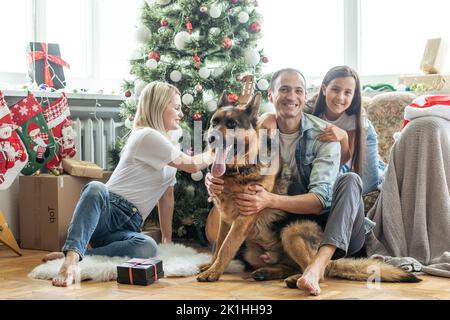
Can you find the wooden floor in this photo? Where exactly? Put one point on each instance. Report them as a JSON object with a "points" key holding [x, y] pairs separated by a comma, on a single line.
{"points": [[14, 284]]}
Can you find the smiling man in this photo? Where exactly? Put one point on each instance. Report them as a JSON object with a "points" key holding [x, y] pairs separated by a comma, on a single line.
{"points": [[316, 192]]}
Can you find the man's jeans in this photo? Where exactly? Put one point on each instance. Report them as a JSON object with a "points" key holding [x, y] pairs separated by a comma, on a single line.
{"points": [[109, 223]]}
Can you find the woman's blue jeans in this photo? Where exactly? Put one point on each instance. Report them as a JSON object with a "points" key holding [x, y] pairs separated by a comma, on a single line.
{"points": [[373, 166], [109, 223]]}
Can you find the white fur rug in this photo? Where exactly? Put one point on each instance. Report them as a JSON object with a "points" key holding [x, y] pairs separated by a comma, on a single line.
{"points": [[178, 261]]}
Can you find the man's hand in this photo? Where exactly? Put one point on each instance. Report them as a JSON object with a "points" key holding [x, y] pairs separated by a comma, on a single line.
{"points": [[253, 202], [332, 133], [213, 185]]}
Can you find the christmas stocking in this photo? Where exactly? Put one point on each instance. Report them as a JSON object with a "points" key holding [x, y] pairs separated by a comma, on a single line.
{"points": [[39, 142], [58, 120], [13, 156]]}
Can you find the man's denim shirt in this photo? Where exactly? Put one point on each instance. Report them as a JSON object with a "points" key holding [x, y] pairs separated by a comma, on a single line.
{"points": [[318, 162]]}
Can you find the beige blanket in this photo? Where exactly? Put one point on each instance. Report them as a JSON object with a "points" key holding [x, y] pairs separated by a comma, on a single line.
{"points": [[412, 213]]}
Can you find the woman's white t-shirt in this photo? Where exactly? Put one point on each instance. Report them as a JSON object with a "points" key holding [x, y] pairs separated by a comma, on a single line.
{"points": [[142, 175]]}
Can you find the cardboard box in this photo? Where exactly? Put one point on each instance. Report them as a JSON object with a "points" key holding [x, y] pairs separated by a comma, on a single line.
{"points": [[81, 168], [434, 56], [140, 271], [46, 207]]}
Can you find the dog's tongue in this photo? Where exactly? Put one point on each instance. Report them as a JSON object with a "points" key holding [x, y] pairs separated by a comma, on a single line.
{"points": [[218, 166]]}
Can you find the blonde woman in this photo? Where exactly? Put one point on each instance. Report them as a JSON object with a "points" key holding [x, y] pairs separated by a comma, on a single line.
{"points": [[109, 216]]}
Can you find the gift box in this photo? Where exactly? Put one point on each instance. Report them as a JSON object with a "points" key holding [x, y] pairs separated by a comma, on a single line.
{"points": [[140, 271], [433, 58], [45, 65], [81, 168]]}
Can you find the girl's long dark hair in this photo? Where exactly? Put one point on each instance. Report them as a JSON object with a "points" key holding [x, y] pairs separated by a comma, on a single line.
{"points": [[354, 109]]}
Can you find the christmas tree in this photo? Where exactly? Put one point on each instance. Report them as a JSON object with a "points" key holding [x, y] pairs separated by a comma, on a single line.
{"points": [[203, 48]]}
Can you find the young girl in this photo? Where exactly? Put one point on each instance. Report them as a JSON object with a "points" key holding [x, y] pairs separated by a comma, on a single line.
{"points": [[339, 103], [109, 217]]}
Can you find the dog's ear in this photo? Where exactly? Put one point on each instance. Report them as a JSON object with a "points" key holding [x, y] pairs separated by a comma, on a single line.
{"points": [[252, 106], [223, 101]]}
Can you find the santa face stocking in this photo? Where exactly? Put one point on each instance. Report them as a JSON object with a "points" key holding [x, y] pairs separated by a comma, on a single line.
{"points": [[39, 142], [13, 156], [58, 120]]}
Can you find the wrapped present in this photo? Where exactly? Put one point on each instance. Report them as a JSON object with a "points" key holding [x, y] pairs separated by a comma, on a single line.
{"points": [[140, 271], [81, 168], [45, 65]]}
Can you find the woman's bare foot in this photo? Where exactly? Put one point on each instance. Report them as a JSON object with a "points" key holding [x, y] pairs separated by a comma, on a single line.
{"points": [[309, 281], [68, 271], [53, 256]]}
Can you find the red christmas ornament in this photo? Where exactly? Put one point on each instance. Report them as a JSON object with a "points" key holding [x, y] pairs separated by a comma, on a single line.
{"points": [[164, 22], [197, 60], [255, 27], [227, 43], [265, 59], [154, 55], [234, 1], [232, 97], [128, 93], [197, 116], [188, 25]]}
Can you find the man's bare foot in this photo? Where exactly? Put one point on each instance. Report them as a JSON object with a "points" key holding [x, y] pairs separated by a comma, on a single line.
{"points": [[309, 281], [68, 272], [53, 256]]}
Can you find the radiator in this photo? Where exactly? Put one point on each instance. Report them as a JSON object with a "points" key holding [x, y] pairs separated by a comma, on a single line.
{"points": [[93, 137]]}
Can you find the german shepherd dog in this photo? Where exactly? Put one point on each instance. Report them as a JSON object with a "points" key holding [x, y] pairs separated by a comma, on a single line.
{"points": [[287, 248]]}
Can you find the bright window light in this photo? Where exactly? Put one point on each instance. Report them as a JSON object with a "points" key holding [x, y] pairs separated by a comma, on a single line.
{"points": [[307, 35], [394, 33]]}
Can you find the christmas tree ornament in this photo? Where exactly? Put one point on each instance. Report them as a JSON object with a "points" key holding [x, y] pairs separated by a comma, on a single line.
{"points": [[139, 85], [265, 59], [164, 22], [181, 39], [142, 34], [215, 11], [214, 31], [59, 122], [198, 88], [198, 176], [129, 122], [255, 27], [188, 25], [187, 99], [197, 60], [227, 43], [162, 2], [234, 2], [152, 64], [197, 116], [211, 105], [127, 93], [154, 55], [175, 76], [252, 57], [204, 73], [243, 17], [217, 72], [262, 84], [38, 141], [244, 34], [232, 97], [203, 9], [13, 156]]}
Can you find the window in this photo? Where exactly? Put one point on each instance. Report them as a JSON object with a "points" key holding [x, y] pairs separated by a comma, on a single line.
{"points": [[117, 24], [394, 33], [15, 34], [307, 35], [67, 25]]}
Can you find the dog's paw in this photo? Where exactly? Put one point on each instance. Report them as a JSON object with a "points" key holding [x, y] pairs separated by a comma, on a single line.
{"points": [[264, 274], [205, 266], [208, 276], [291, 282]]}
